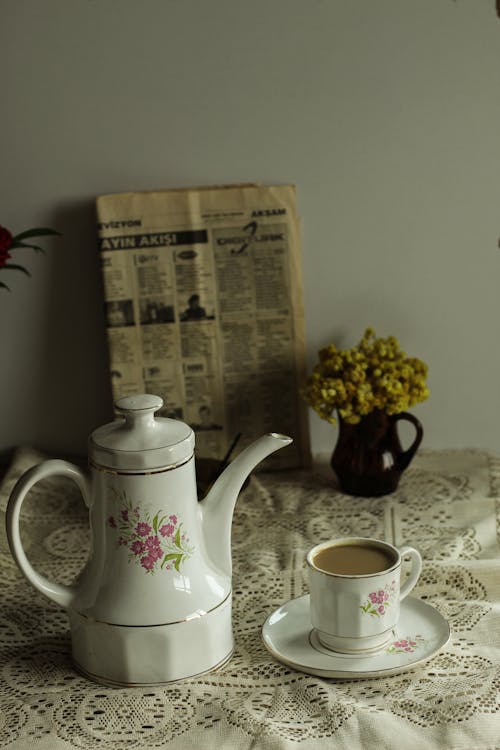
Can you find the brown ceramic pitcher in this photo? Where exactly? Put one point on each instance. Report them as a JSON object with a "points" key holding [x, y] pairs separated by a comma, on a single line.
{"points": [[368, 458]]}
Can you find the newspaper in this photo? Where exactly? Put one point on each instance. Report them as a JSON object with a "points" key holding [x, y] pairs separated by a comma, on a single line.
{"points": [[204, 307]]}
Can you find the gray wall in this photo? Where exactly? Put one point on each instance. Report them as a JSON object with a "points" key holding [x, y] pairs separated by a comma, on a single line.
{"points": [[385, 114]]}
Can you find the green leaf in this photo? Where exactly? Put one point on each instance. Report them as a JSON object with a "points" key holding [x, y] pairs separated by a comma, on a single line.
{"points": [[177, 540], [39, 232], [170, 556], [36, 248], [15, 267], [177, 563], [155, 523]]}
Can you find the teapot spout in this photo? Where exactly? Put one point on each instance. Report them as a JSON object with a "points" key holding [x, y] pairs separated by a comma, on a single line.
{"points": [[218, 506]]}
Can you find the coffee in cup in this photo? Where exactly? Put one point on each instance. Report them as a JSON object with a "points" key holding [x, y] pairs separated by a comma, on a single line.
{"points": [[354, 559], [355, 592]]}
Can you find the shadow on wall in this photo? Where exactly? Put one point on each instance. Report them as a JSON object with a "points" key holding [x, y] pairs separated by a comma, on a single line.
{"points": [[74, 388]]}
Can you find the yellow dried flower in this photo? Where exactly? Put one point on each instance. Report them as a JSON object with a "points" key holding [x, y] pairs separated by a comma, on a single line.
{"points": [[375, 374]]}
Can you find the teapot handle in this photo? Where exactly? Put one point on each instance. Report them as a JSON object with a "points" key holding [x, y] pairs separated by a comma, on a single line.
{"points": [[405, 457], [62, 595]]}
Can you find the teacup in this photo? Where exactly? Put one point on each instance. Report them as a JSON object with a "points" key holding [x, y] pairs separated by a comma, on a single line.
{"points": [[355, 592]]}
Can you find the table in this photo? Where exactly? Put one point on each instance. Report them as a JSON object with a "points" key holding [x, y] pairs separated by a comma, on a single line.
{"points": [[447, 505]]}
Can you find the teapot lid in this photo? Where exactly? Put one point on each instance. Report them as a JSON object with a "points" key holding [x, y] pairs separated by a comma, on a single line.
{"points": [[139, 441]]}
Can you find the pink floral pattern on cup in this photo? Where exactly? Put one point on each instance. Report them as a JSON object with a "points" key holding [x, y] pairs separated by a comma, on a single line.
{"points": [[407, 645], [378, 602], [157, 543]]}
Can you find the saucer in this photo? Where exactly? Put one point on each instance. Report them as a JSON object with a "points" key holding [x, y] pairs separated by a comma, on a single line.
{"points": [[420, 633]]}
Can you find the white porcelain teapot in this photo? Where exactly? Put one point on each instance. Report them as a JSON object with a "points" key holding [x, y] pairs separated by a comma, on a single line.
{"points": [[153, 603]]}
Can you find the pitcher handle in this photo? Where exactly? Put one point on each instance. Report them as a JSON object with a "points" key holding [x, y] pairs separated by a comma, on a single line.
{"points": [[405, 457], [57, 592]]}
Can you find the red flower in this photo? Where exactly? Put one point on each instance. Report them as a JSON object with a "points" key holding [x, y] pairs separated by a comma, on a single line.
{"points": [[148, 562], [152, 542], [5, 245], [137, 547], [167, 529]]}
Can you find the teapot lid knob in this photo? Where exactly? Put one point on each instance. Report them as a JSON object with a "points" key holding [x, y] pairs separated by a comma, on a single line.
{"points": [[139, 408]]}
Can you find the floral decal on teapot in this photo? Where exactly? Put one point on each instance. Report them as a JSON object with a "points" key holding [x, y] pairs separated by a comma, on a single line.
{"points": [[157, 543], [378, 602]]}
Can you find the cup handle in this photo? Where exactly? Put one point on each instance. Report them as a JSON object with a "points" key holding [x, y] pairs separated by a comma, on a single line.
{"points": [[62, 595], [416, 569]]}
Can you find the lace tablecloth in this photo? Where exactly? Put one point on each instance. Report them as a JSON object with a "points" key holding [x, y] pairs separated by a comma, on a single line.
{"points": [[447, 506]]}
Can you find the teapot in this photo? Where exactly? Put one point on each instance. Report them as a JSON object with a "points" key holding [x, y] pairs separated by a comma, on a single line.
{"points": [[153, 603]]}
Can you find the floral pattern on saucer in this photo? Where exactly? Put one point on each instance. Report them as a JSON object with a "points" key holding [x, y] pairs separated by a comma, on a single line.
{"points": [[407, 645]]}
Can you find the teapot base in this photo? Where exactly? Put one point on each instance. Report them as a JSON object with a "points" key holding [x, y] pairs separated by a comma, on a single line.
{"points": [[115, 683], [130, 656]]}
